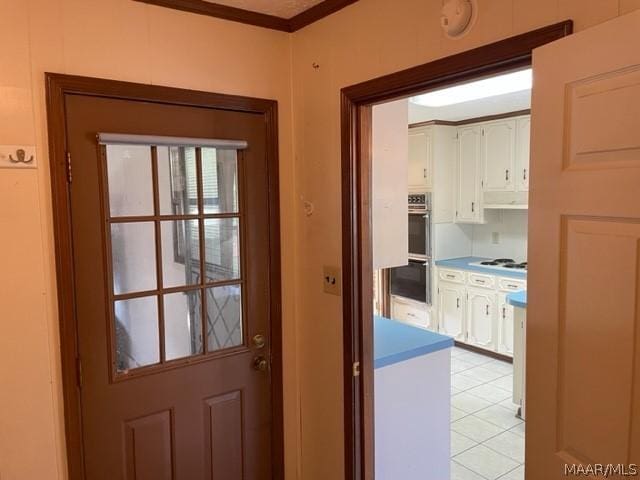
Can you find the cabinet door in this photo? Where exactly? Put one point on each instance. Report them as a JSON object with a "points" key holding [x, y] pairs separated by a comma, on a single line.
{"points": [[505, 325], [498, 155], [420, 159], [468, 205], [523, 134], [451, 304], [481, 306]]}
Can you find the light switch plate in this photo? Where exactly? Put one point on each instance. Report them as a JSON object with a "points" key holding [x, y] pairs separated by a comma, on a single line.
{"points": [[18, 156], [332, 280]]}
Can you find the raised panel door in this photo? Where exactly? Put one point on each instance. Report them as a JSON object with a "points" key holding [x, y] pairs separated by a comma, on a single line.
{"points": [[452, 304], [480, 318], [498, 155]]}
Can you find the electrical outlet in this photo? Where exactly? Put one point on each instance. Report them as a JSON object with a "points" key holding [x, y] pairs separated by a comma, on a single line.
{"points": [[495, 238], [332, 280]]}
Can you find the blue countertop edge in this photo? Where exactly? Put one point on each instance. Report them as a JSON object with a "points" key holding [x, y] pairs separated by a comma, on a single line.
{"points": [[518, 299], [463, 263], [395, 342]]}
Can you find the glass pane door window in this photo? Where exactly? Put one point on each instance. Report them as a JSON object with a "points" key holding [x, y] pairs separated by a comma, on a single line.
{"points": [[175, 221]]}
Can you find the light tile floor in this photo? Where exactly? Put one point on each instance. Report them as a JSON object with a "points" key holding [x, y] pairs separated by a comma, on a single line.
{"points": [[487, 440]]}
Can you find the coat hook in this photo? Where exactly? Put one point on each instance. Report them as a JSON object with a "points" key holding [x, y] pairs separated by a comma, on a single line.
{"points": [[21, 154]]}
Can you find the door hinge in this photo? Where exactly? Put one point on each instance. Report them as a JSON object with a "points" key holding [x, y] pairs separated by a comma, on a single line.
{"points": [[79, 371], [356, 369], [69, 171]]}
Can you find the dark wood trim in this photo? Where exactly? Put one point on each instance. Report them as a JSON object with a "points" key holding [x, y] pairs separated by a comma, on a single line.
{"points": [[482, 351], [224, 12], [468, 121], [356, 102], [317, 12], [57, 87], [301, 20]]}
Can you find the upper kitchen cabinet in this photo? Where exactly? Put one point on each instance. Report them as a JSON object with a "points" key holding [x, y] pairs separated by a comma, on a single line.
{"points": [[523, 133], [499, 155], [468, 178], [432, 154], [420, 172]]}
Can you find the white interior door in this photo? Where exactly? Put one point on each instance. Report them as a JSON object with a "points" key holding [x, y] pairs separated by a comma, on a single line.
{"points": [[583, 328]]}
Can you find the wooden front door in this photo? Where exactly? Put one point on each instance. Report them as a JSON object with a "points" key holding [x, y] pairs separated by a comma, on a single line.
{"points": [[173, 287], [583, 332]]}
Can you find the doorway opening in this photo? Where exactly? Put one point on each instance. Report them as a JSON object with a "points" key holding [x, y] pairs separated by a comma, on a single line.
{"points": [[430, 218]]}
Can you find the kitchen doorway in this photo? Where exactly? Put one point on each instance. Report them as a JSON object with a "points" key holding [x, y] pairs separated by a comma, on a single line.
{"points": [[358, 103], [168, 265]]}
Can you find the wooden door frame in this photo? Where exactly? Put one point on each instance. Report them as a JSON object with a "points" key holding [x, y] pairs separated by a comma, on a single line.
{"points": [[57, 86], [356, 109]]}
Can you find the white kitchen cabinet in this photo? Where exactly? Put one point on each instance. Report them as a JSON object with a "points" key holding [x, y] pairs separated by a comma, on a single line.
{"points": [[472, 308], [499, 155], [505, 326], [420, 170], [451, 305], [468, 185], [481, 309], [523, 133]]}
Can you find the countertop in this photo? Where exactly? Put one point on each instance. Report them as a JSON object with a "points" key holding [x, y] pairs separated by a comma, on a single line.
{"points": [[463, 263], [518, 299], [395, 342]]}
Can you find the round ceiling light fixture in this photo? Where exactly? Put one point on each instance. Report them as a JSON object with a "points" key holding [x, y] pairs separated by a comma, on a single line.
{"points": [[458, 16]]}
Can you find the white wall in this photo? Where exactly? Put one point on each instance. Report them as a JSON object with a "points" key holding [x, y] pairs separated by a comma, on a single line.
{"points": [[511, 227], [453, 240]]}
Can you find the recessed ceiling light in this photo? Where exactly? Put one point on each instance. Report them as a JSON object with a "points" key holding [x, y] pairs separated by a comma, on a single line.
{"points": [[488, 87]]}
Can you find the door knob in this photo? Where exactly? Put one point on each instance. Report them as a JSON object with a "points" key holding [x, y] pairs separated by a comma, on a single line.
{"points": [[260, 364], [259, 341]]}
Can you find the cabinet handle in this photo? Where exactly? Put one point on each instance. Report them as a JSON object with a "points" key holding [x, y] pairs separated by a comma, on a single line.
{"points": [[457, 302], [487, 309], [424, 172], [506, 175], [473, 207], [450, 276], [480, 281], [524, 174], [504, 313]]}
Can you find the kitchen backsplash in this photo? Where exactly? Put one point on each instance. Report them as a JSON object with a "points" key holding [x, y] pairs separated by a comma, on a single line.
{"points": [[510, 227]]}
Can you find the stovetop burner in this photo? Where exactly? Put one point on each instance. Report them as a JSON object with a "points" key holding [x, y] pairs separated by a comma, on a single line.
{"points": [[497, 261], [517, 266], [503, 263]]}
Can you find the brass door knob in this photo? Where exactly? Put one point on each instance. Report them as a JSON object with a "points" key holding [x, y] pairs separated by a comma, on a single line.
{"points": [[260, 364], [259, 341]]}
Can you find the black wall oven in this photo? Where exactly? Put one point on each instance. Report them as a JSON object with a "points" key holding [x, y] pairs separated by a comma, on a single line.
{"points": [[412, 281]]}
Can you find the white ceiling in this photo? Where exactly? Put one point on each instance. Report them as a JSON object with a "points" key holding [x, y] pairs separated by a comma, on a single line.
{"points": [[279, 8], [510, 102]]}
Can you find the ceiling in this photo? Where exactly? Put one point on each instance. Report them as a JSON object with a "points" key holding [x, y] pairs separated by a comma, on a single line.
{"points": [[510, 102], [279, 8]]}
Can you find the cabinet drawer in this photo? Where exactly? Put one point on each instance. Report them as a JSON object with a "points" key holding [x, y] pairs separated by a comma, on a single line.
{"points": [[511, 285], [455, 276], [407, 312], [480, 280]]}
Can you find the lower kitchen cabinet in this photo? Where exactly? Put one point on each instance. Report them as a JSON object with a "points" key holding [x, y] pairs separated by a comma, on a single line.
{"points": [[505, 325], [472, 308], [451, 305], [481, 307]]}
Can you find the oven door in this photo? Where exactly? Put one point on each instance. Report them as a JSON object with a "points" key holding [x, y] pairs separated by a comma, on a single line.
{"points": [[410, 281], [418, 234]]}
